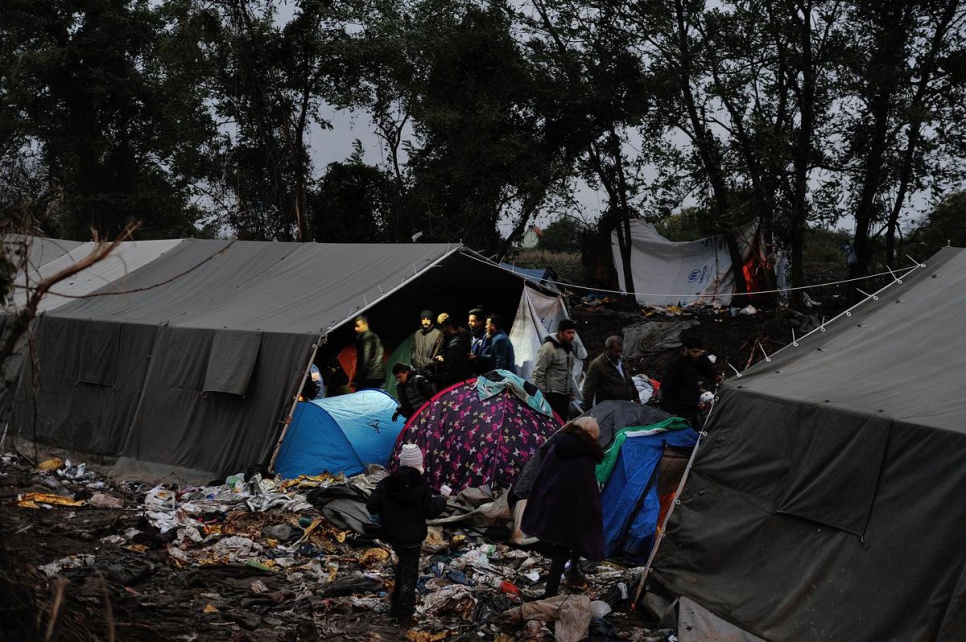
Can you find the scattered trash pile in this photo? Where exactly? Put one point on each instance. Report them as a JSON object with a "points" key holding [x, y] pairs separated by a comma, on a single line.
{"points": [[262, 559]]}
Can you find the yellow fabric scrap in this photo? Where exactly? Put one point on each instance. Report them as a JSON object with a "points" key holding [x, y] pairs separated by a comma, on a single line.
{"points": [[373, 555], [51, 464], [30, 500], [210, 609], [311, 481], [426, 636]]}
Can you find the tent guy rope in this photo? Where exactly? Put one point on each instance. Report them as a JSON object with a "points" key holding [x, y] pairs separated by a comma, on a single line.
{"points": [[889, 272]]}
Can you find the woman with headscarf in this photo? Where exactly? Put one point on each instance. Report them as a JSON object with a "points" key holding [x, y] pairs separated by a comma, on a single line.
{"points": [[563, 509]]}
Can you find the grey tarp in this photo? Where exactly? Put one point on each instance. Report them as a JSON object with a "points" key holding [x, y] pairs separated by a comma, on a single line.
{"points": [[613, 415], [827, 501], [188, 363]]}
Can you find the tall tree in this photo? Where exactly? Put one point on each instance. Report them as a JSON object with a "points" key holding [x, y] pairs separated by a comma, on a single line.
{"points": [[352, 203], [272, 77], [481, 151], [119, 134], [907, 95]]}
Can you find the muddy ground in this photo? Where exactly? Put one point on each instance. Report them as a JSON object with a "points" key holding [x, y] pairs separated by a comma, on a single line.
{"points": [[96, 572], [130, 582]]}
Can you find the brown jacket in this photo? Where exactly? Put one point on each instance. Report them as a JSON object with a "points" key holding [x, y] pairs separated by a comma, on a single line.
{"points": [[604, 382]]}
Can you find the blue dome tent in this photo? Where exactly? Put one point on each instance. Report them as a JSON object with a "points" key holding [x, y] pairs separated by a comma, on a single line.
{"points": [[339, 434]]}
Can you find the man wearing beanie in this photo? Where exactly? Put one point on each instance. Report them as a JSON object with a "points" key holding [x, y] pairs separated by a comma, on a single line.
{"points": [[424, 349], [404, 501], [553, 367]]}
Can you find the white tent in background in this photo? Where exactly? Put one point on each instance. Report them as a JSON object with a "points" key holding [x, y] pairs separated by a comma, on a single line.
{"points": [[536, 317], [669, 272]]}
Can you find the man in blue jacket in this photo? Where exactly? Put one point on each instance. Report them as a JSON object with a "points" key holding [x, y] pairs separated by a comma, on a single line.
{"points": [[501, 350]]}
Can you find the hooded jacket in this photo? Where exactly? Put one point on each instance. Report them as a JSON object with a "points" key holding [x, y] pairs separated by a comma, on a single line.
{"points": [[425, 348], [564, 504], [552, 368], [404, 501], [412, 394]]}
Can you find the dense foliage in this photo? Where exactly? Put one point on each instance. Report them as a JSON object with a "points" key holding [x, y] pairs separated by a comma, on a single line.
{"points": [[194, 117]]}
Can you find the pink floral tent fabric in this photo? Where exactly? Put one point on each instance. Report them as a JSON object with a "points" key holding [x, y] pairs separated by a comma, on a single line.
{"points": [[469, 442]]}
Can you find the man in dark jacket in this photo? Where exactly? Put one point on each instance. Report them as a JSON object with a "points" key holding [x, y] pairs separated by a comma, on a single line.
{"points": [[404, 501], [454, 362], [370, 371], [480, 360], [423, 353], [501, 350], [608, 376], [680, 391], [413, 390]]}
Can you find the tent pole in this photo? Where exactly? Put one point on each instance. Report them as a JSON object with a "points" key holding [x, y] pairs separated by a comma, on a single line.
{"points": [[663, 525], [291, 411]]}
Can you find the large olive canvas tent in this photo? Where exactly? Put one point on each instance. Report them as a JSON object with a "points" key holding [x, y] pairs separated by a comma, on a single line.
{"points": [[184, 357], [827, 501]]}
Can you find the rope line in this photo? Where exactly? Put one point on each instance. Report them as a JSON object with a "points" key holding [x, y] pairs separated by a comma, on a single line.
{"points": [[890, 273]]}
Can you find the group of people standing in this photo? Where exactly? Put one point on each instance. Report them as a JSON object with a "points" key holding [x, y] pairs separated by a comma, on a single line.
{"points": [[563, 509], [444, 353]]}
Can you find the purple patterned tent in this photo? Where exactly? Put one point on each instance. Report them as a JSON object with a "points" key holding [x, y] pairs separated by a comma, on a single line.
{"points": [[471, 442]]}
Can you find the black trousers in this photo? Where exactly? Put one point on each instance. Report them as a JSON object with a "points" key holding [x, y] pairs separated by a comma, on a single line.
{"points": [[559, 555], [402, 602], [560, 403]]}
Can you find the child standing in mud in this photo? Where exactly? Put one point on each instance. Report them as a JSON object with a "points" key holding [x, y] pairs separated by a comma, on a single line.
{"points": [[404, 501]]}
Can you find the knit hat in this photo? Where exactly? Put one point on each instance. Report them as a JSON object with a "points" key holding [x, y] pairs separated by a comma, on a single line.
{"points": [[425, 314], [411, 456], [566, 324]]}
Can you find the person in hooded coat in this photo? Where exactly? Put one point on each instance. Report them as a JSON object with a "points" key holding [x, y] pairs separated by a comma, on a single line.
{"points": [[404, 501], [553, 368], [563, 509]]}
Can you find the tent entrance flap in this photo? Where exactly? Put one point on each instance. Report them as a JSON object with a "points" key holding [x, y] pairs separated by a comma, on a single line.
{"points": [[835, 468], [232, 361]]}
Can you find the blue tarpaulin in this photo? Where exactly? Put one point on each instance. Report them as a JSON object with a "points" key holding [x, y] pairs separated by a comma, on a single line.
{"points": [[339, 434], [630, 501]]}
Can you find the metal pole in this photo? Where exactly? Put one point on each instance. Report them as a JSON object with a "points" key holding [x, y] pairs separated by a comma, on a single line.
{"points": [[291, 411], [663, 525]]}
